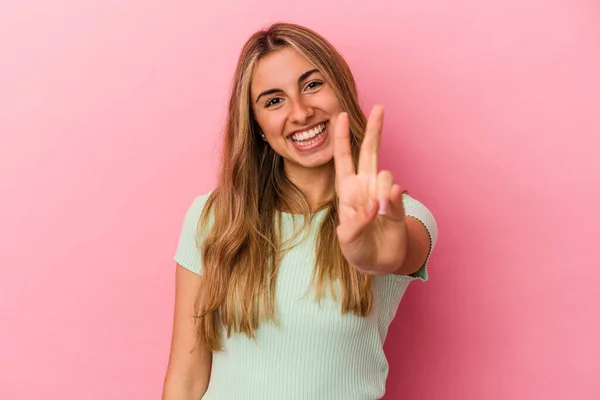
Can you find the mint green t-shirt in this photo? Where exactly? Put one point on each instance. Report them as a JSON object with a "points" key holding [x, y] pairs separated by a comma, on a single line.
{"points": [[314, 352]]}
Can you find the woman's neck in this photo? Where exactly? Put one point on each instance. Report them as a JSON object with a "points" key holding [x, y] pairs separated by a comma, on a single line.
{"points": [[316, 183]]}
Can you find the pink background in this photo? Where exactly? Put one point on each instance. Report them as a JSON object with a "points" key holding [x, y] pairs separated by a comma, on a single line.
{"points": [[110, 114]]}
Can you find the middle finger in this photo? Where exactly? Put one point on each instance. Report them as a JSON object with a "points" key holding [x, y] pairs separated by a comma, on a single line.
{"points": [[369, 151]]}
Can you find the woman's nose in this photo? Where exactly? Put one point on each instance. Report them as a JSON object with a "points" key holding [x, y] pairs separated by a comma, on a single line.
{"points": [[301, 112]]}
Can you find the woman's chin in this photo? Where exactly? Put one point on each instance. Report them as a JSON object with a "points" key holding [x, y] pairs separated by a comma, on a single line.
{"points": [[311, 163]]}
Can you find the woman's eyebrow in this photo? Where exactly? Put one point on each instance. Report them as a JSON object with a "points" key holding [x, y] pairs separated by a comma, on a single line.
{"points": [[302, 77]]}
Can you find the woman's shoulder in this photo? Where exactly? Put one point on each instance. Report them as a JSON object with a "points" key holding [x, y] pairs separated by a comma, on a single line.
{"points": [[194, 209], [187, 253], [200, 200]]}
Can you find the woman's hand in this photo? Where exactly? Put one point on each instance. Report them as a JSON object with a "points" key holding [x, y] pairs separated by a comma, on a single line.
{"points": [[372, 232]]}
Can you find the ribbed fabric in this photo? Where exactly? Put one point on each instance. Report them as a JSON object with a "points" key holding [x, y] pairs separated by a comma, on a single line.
{"points": [[315, 352]]}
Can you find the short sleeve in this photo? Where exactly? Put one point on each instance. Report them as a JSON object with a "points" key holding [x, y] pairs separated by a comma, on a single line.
{"points": [[415, 209], [187, 253]]}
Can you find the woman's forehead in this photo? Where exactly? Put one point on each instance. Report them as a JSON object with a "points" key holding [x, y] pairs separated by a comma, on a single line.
{"points": [[279, 69]]}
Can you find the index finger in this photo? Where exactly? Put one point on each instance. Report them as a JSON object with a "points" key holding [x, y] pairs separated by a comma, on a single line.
{"points": [[342, 154]]}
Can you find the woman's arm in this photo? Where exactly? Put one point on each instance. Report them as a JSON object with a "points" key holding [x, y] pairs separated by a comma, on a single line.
{"points": [[188, 373], [418, 243]]}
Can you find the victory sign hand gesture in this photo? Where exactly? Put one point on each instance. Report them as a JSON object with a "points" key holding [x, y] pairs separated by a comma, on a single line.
{"points": [[372, 232]]}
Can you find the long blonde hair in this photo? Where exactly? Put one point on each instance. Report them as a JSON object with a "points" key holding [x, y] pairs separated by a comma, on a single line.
{"points": [[242, 249]]}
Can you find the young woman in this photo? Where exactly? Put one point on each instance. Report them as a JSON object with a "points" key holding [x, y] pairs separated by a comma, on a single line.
{"points": [[290, 271]]}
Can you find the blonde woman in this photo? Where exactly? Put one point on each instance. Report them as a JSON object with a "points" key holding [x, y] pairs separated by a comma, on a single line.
{"points": [[290, 271]]}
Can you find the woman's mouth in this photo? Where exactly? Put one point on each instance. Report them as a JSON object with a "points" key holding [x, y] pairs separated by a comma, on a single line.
{"points": [[310, 138]]}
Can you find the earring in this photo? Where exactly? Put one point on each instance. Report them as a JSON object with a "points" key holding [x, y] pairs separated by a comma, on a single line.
{"points": [[262, 135]]}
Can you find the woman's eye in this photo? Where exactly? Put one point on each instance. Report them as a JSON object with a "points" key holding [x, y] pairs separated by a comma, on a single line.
{"points": [[314, 84], [273, 102]]}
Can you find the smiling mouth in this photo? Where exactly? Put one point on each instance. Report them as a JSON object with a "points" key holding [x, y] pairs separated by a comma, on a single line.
{"points": [[310, 136]]}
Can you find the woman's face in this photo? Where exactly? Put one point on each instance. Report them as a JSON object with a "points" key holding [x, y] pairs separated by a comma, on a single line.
{"points": [[294, 105]]}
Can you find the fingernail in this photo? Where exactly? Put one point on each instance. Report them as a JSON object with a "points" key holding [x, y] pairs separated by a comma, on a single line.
{"points": [[383, 206]]}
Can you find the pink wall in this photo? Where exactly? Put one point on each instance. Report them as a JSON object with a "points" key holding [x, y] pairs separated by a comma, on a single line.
{"points": [[109, 116]]}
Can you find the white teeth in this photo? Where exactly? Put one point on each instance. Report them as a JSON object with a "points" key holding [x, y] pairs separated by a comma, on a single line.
{"points": [[303, 136]]}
